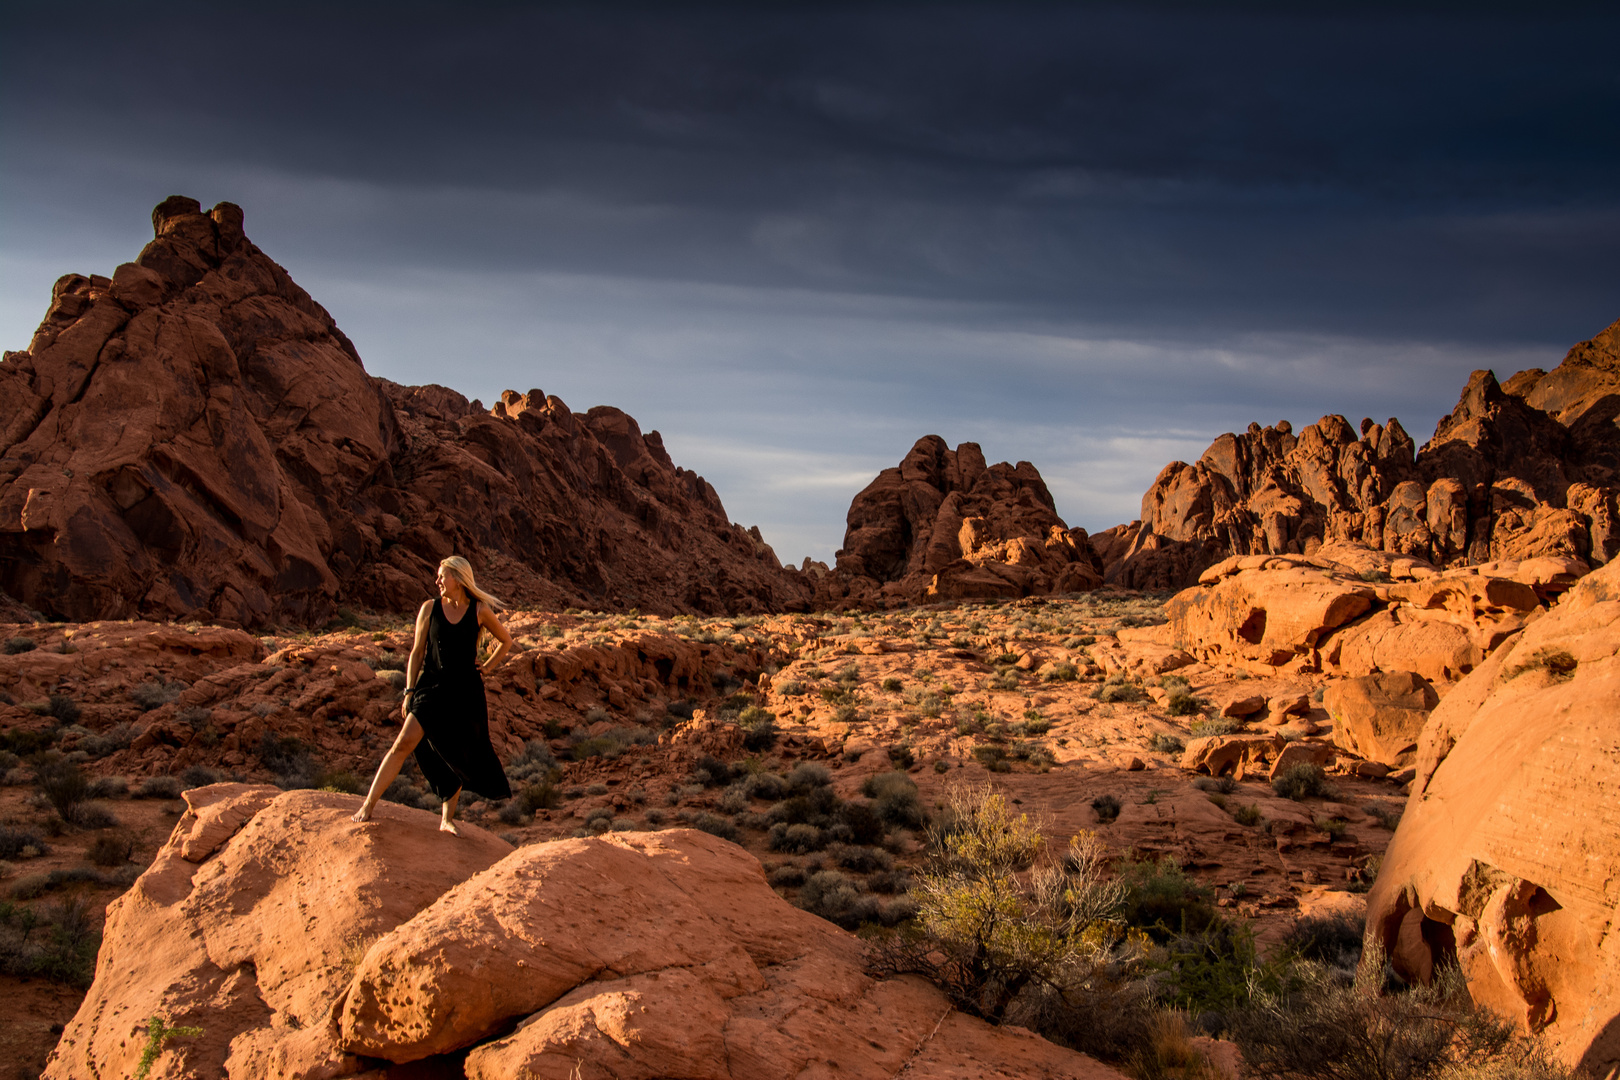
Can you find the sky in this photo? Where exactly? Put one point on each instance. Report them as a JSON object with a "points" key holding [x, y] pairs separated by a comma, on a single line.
{"points": [[796, 238]]}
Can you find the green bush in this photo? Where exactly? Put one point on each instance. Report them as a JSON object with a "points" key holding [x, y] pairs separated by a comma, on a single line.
{"points": [[1166, 744], [158, 787], [1161, 899], [1302, 781], [1117, 688], [894, 799], [1218, 725], [1062, 673], [151, 695], [1247, 815], [63, 784]]}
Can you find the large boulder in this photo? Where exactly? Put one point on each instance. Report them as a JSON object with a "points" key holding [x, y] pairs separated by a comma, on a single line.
{"points": [[1516, 471], [1379, 717], [194, 437], [306, 946], [1507, 860], [248, 925], [1339, 613], [943, 525]]}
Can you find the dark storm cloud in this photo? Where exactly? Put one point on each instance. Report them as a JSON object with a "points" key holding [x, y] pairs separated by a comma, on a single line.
{"points": [[1146, 223]]}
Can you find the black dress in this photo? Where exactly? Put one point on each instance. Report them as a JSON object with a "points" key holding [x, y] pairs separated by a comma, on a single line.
{"points": [[449, 704]]}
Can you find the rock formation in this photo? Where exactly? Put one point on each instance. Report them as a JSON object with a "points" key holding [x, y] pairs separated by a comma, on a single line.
{"points": [[1508, 857], [195, 437], [944, 526], [304, 945], [1516, 471]]}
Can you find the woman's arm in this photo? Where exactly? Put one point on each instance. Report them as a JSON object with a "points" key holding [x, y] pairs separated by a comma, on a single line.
{"points": [[492, 622], [413, 667]]}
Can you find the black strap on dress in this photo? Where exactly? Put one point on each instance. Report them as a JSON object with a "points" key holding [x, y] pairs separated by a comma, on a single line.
{"points": [[449, 703]]}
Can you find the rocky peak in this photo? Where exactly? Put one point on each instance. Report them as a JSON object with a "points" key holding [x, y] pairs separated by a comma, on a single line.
{"points": [[195, 437]]}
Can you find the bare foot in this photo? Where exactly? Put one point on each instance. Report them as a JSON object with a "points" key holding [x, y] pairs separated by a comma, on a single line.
{"points": [[449, 827], [361, 815]]}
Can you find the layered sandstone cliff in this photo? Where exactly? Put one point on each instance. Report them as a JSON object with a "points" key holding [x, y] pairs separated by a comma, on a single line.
{"points": [[1526, 469], [195, 437]]}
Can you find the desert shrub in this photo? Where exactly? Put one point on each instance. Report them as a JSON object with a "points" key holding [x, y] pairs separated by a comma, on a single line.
{"points": [[597, 715], [930, 705], [1062, 673], [760, 732], [19, 644], [1333, 939], [815, 807], [57, 942], [716, 825], [534, 760], [158, 787], [1035, 723], [339, 780], [807, 775], [1166, 744], [786, 877], [1387, 817], [1005, 679], [862, 821], [891, 685], [1182, 703], [287, 760], [63, 784], [1555, 662], [1302, 781], [18, 843], [109, 787], [901, 757], [1215, 725], [195, 716], [1247, 815], [985, 933], [152, 694], [201, 776], [797, 839], [596, 789], [860, 858], [734, 800], [790, 688], [115, 738], [63, 708], [680, 710], [1225, 785], [894, 799], [1320, 1027], [1163, 900], [111, 849], [1119, 688], [764, 785], [1107, 808], [613, 742], [710, 771], [992, 757]]}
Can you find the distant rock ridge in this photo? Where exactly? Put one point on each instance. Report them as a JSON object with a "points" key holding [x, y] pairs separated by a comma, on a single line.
{"points": [[943, 525], [195, 437], [1526, 469]]}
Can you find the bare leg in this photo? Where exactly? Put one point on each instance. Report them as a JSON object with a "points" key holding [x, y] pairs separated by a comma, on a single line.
{"points": [[448, 820], [392, 762]]}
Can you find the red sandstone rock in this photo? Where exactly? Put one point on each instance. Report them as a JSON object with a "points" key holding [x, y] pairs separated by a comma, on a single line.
{"points": [[1520, 472], [309, 946], [196, 437], [1314, 613], [945, 526], [254, 945], [1508, 856], [1379, 717]]}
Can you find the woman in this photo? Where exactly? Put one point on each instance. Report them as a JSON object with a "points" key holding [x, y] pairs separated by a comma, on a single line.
{"points": [[446, 720]]}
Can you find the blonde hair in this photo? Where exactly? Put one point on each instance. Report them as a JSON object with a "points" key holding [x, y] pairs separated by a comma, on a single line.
{"points": [[462, 571]]}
